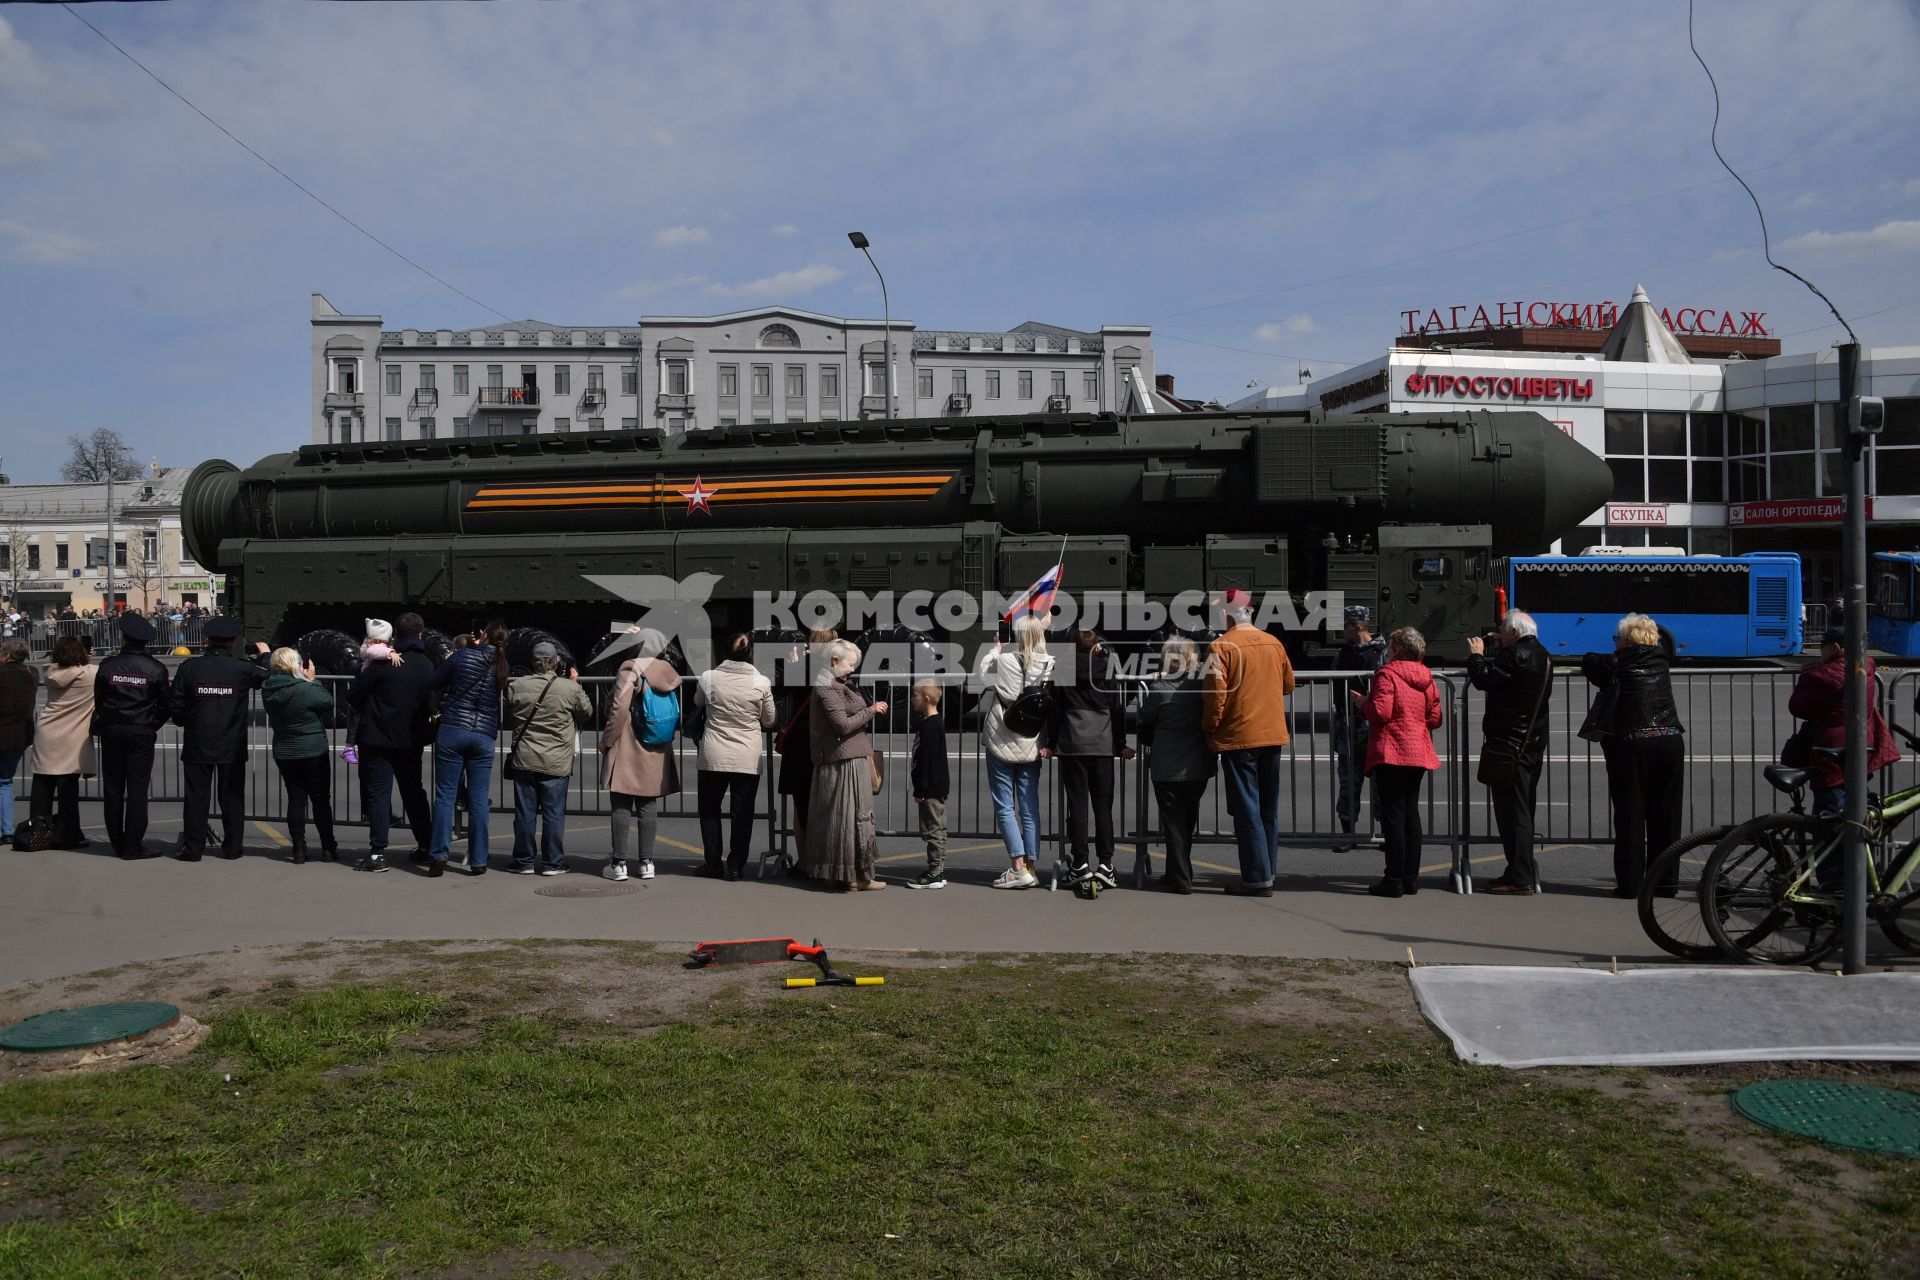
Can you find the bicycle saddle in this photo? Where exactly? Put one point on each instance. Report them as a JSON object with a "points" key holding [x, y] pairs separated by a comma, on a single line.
{"points": [[1782, 778]]}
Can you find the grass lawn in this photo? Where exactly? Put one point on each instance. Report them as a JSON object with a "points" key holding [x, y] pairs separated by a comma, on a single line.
{"points": [[576, 1109]]}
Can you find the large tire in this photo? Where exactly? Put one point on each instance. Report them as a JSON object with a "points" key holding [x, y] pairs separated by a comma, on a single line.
{"points": [[333, 653], [439, 644], [1674, 922], [520, 645], [1756, 899]]}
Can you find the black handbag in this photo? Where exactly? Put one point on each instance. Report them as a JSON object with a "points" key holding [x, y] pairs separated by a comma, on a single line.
{"points": [[1500, 757], [1029, 712], [35, 835], [1797, 751]]}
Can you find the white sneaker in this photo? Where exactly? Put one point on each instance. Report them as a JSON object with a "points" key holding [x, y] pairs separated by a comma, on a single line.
{"points": [[617, 870], [646, 869], [1016, 878], [554, 871]]}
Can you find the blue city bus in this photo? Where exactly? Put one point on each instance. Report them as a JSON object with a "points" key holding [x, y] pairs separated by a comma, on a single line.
{"points": [[1708, 607], [1893, 623]]}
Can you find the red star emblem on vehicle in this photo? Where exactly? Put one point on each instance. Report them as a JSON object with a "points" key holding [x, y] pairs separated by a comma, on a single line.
{"points": [[698, 497]]}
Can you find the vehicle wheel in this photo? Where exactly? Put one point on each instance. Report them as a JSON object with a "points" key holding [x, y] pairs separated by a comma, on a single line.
{"points": [[1757, 898], [1900, 916], [1673, 921], [333, 653]]}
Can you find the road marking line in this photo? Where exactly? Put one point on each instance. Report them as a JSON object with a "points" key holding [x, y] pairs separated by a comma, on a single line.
{"points": [[273, 835], [679, 844]]}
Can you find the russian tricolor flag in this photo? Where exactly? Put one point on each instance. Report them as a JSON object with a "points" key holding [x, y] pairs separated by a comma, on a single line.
{"points": [[1036, 599]]}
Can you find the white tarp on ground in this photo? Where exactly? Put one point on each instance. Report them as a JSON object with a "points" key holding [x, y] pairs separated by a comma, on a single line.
{"points": [[1537, 1017]]}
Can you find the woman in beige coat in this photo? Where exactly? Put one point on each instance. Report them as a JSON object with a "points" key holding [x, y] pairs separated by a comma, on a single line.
{"points": [[636, 774], [738, 701], [841, 841], [63, 742]]}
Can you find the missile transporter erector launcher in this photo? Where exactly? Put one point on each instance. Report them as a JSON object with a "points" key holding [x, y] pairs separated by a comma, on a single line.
{"points": [[1404, 512]]}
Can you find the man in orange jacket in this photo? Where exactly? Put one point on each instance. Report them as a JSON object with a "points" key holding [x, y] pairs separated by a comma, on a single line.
{"points": [[1244, 715]]}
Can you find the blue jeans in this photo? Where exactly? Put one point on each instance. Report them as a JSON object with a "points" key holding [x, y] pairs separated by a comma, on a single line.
{"points": [[1253, 798], [9, 763], [459, 753], [542, 800], [1013, 785]]}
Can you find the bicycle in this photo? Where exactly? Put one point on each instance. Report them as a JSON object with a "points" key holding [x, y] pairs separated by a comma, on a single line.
{"points": [[1771, 891], [1672, 918]]}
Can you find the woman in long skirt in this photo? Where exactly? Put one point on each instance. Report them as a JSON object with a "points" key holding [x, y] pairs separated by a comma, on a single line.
{"points": [[841, 843]]}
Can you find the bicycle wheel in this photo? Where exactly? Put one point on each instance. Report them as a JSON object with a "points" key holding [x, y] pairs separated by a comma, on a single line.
{"points": [[1756, 900], [1673, 919], [1899, 913]]}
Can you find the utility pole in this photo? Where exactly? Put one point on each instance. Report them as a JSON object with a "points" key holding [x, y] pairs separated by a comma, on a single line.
{"points": [[1866, 415], [109, 610], [860, 242]]}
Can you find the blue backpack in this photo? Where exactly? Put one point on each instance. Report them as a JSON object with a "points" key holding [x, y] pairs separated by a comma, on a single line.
{"points": [[656, 717]]}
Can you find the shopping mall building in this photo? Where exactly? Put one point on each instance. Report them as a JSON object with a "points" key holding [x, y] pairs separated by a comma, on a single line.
{"points": [[1718, 442]]}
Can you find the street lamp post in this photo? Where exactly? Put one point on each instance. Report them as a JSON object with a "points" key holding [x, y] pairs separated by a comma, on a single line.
{"points": [[859, 241]]}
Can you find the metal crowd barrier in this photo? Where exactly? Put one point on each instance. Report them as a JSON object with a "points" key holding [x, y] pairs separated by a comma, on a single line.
{"points": [[43, 633], [1735, 719]]}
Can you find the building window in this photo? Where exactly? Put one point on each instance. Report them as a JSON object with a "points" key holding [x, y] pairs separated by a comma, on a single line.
{"points": [[729, 379], [796, 382], [459, 427], [61, 555], [1896, 471], [629, 424], [1709, 435], [1666, 480], [563, 424], [779, 335], [496, 377], [993, 384], [1790, 428], [460, 380], [1026, 384], [1059, 382], [1090, 386], [876, 378], [676, 377], [763, 380], [1791, 474], [563, 379], [630, 379], [120, 553], [427, 429], [729, 422], [1746, 479], [829, 382], [1626, 432], [1709, 482], [959, 382], [596, 424], [676, 424], [924, 379], [393, 429], [529, 426], [763, 422], [149, 547], [346, 376], [1667, 435], [1629, 479], [596, 377], [496, 426], [393, 379], [426, 376], [33, 557]]}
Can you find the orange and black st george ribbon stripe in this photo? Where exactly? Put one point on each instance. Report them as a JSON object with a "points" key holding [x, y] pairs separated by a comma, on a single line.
{"points": [[694, 493]]}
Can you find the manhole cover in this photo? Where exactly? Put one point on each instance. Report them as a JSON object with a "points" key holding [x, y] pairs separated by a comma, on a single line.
{"points": [[1864, 1117], [610, 889], [95, 1024]]}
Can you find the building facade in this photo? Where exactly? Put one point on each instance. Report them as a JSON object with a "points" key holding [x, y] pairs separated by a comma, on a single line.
{"points": [[1714, 456], [55, 545], [683, 373]]}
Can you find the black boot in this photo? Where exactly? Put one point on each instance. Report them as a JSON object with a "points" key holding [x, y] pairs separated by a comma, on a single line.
{"points": [[1385, 888], [330, 851], [1409, 885], [299, 853]]}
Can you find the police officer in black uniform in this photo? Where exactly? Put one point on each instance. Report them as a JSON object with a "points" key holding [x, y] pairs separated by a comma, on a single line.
{"points": [[130, 703], [211, 697]]}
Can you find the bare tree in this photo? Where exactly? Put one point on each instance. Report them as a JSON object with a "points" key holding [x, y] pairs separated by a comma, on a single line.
{"points": [[16, 542], [143, 572], [99, 456]]}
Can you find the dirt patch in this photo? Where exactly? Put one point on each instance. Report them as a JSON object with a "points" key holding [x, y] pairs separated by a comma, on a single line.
{"points": [[510, 1263]]}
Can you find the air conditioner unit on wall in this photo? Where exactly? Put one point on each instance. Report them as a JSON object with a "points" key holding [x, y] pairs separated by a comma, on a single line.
{"points": [[1058, 404]]}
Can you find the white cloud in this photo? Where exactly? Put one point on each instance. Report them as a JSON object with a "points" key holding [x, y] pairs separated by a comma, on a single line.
{"points": [[662, 137], [24, 80], [1806, 201], [1291, 327], [679, 237], [650, 288], [784, 284], [21, 153], [46, 248], [1888, 237], [783, 229]]}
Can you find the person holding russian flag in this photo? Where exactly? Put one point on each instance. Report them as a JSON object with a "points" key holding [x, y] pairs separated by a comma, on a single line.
{"points": [[1013, 743]]}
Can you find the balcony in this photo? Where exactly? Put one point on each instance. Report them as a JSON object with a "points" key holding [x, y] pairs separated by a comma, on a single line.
{"points": [[874, 405], [341, 400], [426, 397], [674, 401], [492, 397]]}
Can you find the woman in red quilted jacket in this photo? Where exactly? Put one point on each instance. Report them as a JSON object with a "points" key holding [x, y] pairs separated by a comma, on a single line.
{"points": [[1403, 709]]}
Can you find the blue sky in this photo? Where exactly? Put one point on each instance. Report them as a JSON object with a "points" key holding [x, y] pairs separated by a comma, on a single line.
{"points": [[1266, 184]]}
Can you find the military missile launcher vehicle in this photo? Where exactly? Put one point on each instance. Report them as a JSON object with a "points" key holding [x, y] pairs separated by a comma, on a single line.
{"points": [[1403, 512]]}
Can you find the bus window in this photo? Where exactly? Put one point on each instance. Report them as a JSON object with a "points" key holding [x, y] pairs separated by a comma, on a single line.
{"points": [[1890, 596], [1432, 568]]}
